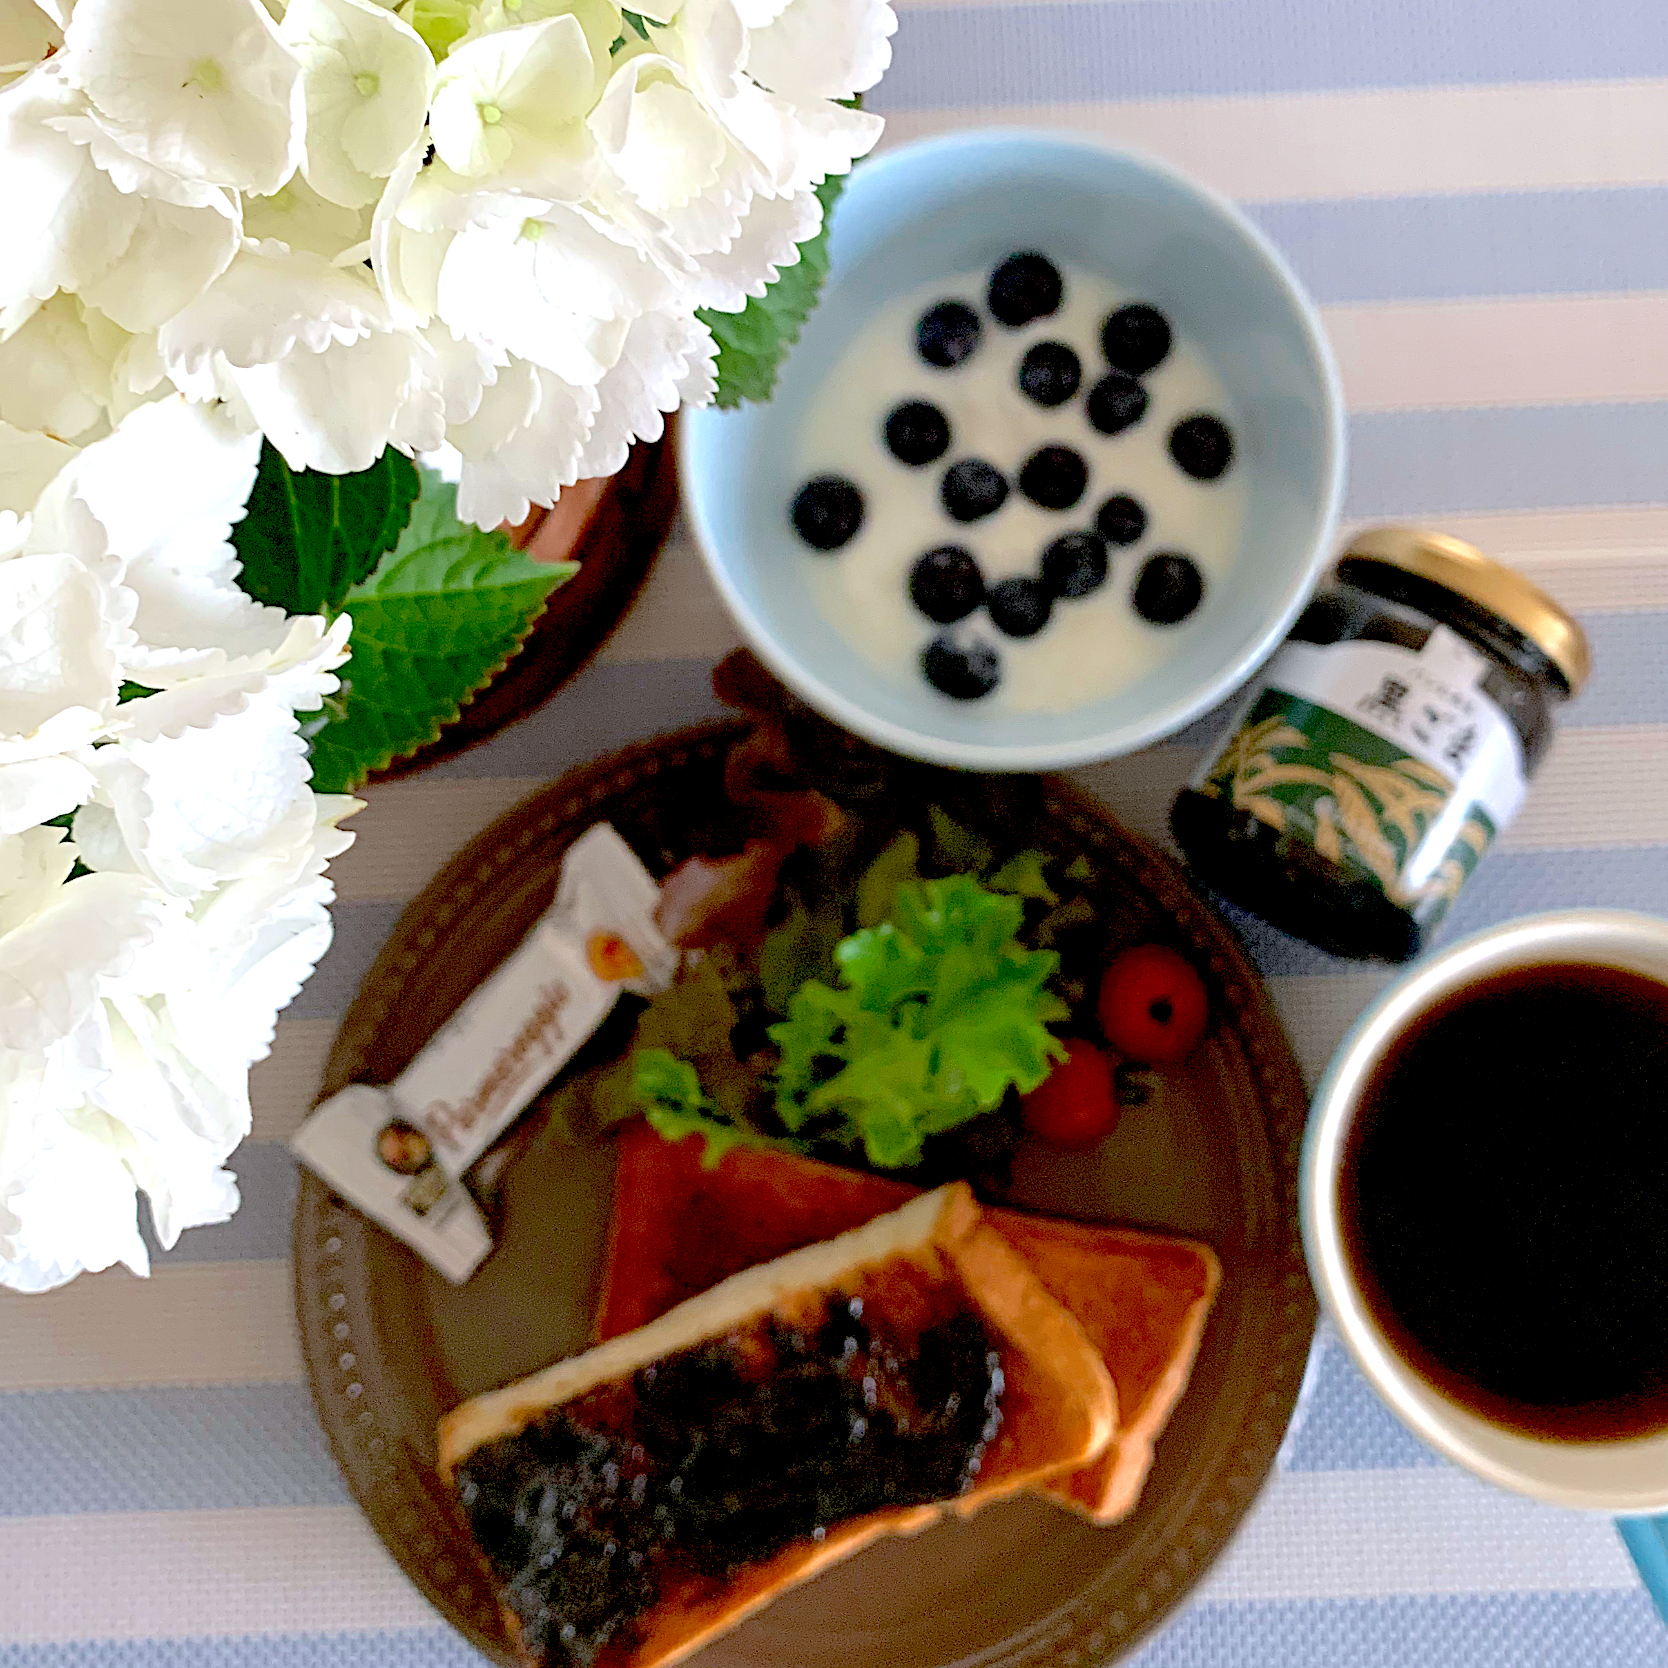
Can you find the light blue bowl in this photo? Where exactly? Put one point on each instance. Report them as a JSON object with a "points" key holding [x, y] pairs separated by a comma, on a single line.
{"points": [[959, 204]]}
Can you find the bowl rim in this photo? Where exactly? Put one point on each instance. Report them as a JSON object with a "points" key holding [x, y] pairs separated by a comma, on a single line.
{"points": [[1163, 721]]}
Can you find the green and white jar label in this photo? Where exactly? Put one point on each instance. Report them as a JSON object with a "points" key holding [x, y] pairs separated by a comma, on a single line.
{"points": [[1391, 762]]}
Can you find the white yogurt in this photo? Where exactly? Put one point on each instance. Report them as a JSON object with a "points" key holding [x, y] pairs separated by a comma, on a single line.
{"points": [[1092, 646]]}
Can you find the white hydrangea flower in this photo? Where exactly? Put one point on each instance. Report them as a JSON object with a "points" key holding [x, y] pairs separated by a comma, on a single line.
{"points": [[28, 34], [513, 103], [820, 49], [202, 88], [67, 1201], [531, 462], [57, 371], [558, 287], [65, 220], [192, 789], [307, 352], [298, 217], [368, 78]]}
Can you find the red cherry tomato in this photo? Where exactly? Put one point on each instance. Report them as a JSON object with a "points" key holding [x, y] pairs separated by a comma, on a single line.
{"points": [[1152, 1005], [1074, 1106]]}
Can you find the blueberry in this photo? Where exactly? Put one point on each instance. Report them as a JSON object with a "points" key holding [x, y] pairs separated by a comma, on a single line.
{"points": [[1121, 520], [1169, 588], [1049, 373], [828, 512], [1054, 477], [1136, 339], [972, 489], [946, 584], [1075, 564], [1202, 446], [916, 433], [962, 674], [1024, 287], [1115, 402], [1018, 607], [947, 333]]}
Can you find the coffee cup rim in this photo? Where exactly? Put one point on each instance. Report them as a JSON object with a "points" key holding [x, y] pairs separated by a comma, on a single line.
{"points": [[1582, 1475]]}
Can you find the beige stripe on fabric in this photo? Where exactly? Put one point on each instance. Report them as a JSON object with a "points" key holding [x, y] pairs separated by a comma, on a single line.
{"points": [[1532, 350], [170, 1575], [195, 1323], [1376, 143], [282, 1086], [321, 1570], [1374, 1534]]}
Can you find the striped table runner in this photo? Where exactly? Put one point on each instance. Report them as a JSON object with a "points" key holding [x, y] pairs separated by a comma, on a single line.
{"points": [[1478, 196]]}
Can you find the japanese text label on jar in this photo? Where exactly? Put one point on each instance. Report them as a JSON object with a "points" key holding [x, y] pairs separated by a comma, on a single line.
{"points": [[1385, 746]]}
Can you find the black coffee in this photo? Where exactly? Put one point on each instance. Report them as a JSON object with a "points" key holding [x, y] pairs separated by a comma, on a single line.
{"points": [[1504, 1199]]}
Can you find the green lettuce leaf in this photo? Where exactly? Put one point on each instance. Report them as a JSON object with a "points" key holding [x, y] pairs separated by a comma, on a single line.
{"points": [[439, 616], [669, 1091], [938, 1013]]}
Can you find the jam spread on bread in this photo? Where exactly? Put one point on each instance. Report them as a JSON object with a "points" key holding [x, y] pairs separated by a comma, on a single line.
{"points": [[719, 1456]]}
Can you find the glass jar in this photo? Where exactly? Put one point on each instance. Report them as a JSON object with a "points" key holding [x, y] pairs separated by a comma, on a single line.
{"points": [[1385, 745]]}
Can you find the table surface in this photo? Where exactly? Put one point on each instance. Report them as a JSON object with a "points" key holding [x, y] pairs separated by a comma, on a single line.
{"points": [[1478, 196]]}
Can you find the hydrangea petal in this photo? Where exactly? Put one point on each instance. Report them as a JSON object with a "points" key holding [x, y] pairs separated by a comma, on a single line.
{"points": [[28, 462], [647, 382], [52, 964], [67, 1201], [60, 631], [535, 463], [34, 790], [201, 88], [55, 375], [367, 78], [297, 216], [65, 221], [268, 302], [823, 49], [517, 99], [174, 255], [27, 35]]}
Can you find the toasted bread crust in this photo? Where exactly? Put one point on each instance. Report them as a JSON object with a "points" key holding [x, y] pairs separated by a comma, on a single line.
{"points": [[1060, 1405], [1142, 1298]]}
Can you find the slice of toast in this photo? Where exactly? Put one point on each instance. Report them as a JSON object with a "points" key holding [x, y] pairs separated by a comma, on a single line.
{"points": [[1142, 1298], [1057, 1399]]}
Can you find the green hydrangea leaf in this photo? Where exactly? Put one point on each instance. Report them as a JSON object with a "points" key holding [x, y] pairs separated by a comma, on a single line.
{"points": [[753, 342], [306, 538], [439, 616]]}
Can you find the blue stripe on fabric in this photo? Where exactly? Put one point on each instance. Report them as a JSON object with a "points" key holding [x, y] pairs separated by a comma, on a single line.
{"points": [[1345, 1427], [430, 1647], [1508, 243], [1509, 1630], [608, 706], [956, 56], [360, 931], [1495, 1630], [192, 1448], [1507, 458], [266, 1179], [1510, 883]]}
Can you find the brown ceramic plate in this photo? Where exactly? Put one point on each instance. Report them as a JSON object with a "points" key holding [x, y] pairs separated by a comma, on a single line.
{"points": [[390, 1345]]}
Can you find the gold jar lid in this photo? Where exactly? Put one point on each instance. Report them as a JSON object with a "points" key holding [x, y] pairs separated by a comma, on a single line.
{"points": [[1463, 569]]}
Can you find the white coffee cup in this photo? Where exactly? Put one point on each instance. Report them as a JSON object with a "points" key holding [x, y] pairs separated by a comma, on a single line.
{"points": [[1623, 1477]]}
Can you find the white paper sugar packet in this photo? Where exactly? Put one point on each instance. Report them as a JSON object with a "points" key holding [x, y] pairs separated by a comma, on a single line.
{"points": [[399, 1152]]}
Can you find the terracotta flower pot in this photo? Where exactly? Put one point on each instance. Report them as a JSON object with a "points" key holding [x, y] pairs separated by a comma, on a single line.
{"points": [[612, 527]]}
